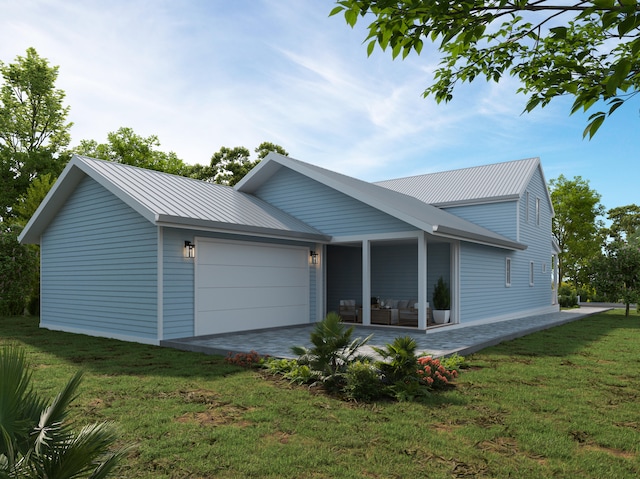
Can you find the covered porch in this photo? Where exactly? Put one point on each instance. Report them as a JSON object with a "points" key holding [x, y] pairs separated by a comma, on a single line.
{"points": [[388, 279]]}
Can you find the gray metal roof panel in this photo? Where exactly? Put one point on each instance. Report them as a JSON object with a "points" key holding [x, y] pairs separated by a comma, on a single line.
{"points": [[479, 184], [407, 208], [163, 197]]}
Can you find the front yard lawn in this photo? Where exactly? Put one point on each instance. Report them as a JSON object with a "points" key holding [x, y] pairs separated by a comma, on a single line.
{"points": [[559, 403]]}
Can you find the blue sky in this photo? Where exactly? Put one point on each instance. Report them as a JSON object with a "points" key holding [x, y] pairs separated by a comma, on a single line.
{"points": [[205, 74]]}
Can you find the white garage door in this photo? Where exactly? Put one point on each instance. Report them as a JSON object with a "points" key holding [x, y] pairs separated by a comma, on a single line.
{"points": [[243, 285]]}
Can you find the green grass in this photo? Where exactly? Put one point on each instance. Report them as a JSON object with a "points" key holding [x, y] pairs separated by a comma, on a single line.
{"points": [[560, 403]]}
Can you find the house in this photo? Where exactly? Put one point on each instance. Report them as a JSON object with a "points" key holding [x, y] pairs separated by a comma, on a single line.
{"points": [[144, 256]]}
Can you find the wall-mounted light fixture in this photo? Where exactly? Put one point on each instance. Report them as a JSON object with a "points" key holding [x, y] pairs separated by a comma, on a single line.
{"points": [[313, 257], [189, 249]]}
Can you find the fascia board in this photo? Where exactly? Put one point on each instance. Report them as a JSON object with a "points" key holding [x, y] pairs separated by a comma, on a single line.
{"points": [[217, 226], [52, 202], [381, 205], [259, 174], [68, 180], [142, 210], [448, 232], [480, 201]]}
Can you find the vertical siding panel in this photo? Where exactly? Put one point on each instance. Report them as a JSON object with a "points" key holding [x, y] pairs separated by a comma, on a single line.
{"points": [[99, 268]]}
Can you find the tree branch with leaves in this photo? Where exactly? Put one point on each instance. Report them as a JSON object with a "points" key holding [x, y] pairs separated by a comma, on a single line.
{"points": [[584, 49]]}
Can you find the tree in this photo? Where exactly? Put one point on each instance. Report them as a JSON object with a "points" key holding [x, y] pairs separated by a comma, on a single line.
{"points": [[229, 165], [34, 131], [126, 147], [27, 205], [625, 222], [575, 225], [37, 440], [586, 49], [616, 273], [19, 274]]}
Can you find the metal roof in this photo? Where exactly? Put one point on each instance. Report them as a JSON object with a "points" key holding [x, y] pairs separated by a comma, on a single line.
{"points": [[479, 184], [404, 207], [171, 200]]}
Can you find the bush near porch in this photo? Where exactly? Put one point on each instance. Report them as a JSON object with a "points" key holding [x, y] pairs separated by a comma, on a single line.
{"points": [[557, 403]]}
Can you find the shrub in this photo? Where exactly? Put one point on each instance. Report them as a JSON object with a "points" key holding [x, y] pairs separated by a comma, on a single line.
{"points": [[246, 360], [363, 382], [433, 374], [18, 274], [568, 301], [332, 351]]}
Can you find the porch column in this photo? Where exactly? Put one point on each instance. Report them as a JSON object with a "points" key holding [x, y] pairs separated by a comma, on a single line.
{"points": [[554, 279], [366, 282], [422, 280]]}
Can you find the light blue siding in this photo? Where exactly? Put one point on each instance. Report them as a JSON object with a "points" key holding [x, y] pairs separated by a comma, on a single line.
{"points": [[178, 284], [537, 237], [324, 208], [484, 293], [313, 299], [500, 218], [99, 266]]}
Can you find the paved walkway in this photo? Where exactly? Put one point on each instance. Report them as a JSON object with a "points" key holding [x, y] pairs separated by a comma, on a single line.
{"points": [[439, 341]]}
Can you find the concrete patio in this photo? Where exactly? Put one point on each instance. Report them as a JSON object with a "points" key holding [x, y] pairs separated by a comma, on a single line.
{"points": [[439, 341]]}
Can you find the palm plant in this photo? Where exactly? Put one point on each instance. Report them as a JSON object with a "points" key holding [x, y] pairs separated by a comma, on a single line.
{"points": [[36, 440], [332, 351], [401, 354]]}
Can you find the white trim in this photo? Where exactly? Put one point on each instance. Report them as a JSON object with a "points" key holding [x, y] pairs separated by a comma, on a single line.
{"points": [[366, 282], [320, 292], [422, 281], [160, 284], [99, 334], [497, 319], [531, 273], [455, 282], [375, 237], [255, 234]]}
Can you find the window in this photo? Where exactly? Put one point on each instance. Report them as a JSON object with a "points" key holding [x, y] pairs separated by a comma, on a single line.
{"points": [[538, 211], [507, 272], [544, 267], [526, 207], [531, 273]]}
